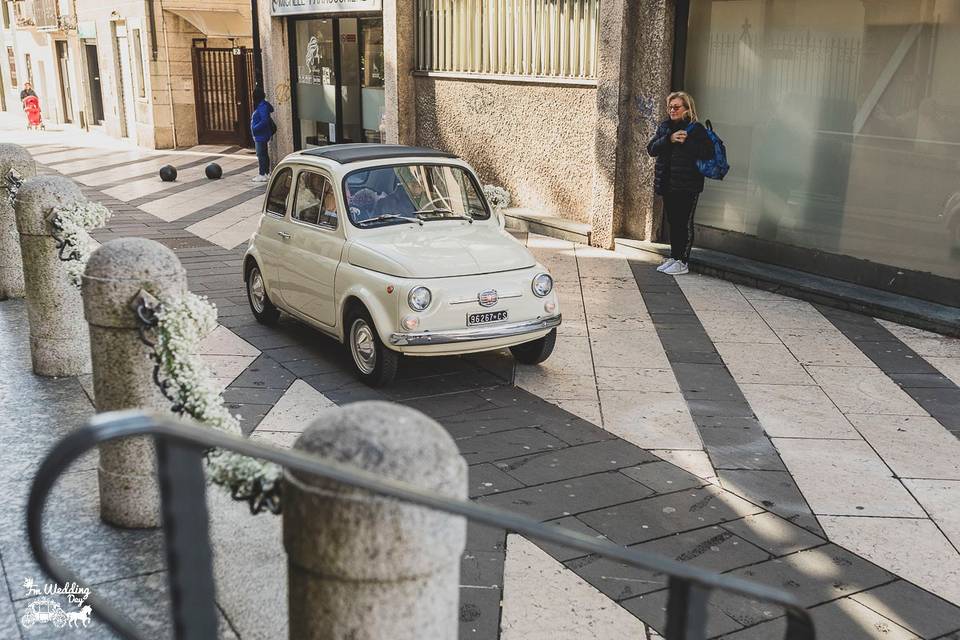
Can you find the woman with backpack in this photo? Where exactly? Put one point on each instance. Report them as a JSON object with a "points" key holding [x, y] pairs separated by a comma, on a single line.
{"points": [[262, 127], [680, 141]]}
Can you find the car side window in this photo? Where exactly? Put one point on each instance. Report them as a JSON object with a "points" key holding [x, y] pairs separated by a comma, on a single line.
{"points": [[277, 200], [315, 202]]}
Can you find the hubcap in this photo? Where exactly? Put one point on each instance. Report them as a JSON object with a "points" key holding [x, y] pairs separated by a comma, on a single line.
{"points": [[258, 295], [363, 347]]}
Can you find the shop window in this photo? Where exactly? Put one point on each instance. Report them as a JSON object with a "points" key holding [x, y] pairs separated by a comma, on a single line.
{"points": [[539, 38], [137, 55], [842, 120], [12, 61]]}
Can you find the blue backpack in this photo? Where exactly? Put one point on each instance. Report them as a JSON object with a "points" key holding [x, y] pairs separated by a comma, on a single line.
{"points": [[717, 166]]}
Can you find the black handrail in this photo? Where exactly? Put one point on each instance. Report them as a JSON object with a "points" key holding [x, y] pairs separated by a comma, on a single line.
{"points": [[180, 446]]}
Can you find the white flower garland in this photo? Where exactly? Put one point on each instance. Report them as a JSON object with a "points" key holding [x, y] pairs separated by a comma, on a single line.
{"points": [[71, 225], [498, 197], [181, 325]]}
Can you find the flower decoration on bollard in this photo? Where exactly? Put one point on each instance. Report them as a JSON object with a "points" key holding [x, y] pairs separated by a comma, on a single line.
{"points": [[498, 197], [71, 224], [178, 326]]}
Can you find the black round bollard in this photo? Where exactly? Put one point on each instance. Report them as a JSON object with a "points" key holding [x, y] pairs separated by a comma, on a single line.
{"points": [[213, 171], [168, 173]]}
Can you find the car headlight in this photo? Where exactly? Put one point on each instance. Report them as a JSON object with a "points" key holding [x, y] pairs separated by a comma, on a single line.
{"points": [[419, 298], [542, 285]]}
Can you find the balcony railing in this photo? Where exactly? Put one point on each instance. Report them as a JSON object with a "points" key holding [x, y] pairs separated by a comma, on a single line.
{"points": [[40, 14], [180, 448], [23, 13]]}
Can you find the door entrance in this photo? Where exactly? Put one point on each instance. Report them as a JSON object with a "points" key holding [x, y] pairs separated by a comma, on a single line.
{"points": [[223, 87], [337, 75], [93, 79], [63, 62]]}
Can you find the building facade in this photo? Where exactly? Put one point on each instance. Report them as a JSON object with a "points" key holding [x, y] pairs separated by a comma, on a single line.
{"points": [[842, 119], [161, 74], [542, 96]]}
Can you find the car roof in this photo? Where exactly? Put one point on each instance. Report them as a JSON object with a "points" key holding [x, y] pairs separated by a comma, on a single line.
{"points": [[363, 152]]}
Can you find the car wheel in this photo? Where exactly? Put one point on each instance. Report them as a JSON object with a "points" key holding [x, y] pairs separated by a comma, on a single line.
{"points": [[28, 620], [263, 309], [535, 351], [373, 363]]}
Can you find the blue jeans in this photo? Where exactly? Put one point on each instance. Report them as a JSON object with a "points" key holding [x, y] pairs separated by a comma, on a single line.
{"points": [[263, 157]]}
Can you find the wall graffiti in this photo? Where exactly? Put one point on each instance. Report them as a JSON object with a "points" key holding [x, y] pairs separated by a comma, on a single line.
{"points": [[281, 93]]}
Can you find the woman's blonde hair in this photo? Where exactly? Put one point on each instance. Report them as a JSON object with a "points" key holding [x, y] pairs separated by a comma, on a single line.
{"points": [[688, 102]]}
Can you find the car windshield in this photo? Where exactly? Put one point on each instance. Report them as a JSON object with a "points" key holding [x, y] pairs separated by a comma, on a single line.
{"points": [[412, 193]]}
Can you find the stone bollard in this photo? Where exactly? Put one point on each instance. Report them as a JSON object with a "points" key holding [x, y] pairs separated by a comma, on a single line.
{"points": [[365, 567], [122, 369], [59, 344], [15, 157]]}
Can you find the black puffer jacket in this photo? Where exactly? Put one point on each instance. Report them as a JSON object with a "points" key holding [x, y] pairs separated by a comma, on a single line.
{"points": [[676, 168]]}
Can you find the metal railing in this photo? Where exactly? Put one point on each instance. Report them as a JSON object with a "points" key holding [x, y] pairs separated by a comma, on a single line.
{"points": [[527, 38], [180, 448]]}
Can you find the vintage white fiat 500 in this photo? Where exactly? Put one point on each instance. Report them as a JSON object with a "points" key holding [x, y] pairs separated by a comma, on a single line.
{"points": [[394, 250]]}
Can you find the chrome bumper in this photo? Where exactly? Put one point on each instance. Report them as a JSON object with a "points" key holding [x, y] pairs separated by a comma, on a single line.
{"points": [[493, 332]]}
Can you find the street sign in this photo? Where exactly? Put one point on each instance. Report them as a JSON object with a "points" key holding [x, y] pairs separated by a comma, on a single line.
{"points": [[297, 7]]}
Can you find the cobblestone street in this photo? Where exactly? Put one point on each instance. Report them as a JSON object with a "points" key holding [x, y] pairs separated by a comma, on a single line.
{"points": [[740, 430]]}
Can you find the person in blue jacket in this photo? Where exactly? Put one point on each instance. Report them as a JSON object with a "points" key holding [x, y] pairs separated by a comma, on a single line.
{"points": [[262, 128]]}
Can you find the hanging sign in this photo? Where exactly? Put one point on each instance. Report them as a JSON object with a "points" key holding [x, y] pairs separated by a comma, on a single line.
{"points": [[297, 7]]}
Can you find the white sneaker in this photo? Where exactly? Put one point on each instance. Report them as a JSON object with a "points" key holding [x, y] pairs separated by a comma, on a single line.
{"points": [[259, 179], [666, 265], [677, 269]]}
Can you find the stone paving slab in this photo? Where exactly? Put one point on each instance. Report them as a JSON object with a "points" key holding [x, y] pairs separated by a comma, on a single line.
{"points": [[676, 504]]}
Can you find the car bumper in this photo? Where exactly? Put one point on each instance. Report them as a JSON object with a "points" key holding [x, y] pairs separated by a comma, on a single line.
{"points": [[479, 333]]}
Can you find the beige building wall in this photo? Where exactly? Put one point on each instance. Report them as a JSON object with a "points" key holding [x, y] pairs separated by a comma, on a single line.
{"points": [[163, 113], [43, 65]]}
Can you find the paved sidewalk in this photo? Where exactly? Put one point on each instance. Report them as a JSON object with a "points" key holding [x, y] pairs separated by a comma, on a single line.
{"points": [[728, 427]]}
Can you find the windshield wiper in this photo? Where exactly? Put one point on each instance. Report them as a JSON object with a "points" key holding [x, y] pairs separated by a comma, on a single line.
{"points": [[389, 216], [439, 215]]}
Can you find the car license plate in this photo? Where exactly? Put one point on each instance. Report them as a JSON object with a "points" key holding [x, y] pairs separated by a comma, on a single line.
{"points": [[486, 318]]}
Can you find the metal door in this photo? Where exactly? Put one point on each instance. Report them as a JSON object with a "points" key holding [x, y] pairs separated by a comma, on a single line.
{"points": [[221, 79]]}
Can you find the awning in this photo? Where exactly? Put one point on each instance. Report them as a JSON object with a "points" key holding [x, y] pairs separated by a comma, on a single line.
{"points": [[216, 23]]}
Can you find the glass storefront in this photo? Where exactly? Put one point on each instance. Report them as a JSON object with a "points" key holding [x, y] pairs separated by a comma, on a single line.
{"points": [[339, 80], [842, 124]]}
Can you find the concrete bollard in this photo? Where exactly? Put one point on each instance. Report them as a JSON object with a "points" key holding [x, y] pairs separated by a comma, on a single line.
{"points": [[59, 345], [361, 566], [122, 369], [16, 158]]}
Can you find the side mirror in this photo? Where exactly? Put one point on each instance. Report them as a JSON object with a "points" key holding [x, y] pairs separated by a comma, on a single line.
{"points": [[501, 219]]}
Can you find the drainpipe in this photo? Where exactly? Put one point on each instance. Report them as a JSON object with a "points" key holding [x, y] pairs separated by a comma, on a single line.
{"points": [[166, 48]]}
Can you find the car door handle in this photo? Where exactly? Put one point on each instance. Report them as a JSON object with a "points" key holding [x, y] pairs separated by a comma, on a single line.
{"points": [[284, 235]]}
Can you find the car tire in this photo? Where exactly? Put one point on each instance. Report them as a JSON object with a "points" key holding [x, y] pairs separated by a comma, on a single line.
{"points": [[535, 351], [373, 363], [263, 310]]}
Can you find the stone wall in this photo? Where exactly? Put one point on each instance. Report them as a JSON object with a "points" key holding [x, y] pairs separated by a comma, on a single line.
{"points": [[537, 140], [646, 83], [276, 79]]}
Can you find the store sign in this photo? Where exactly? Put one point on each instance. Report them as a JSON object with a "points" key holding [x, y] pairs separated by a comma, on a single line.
{"points": [[297, 7]]}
